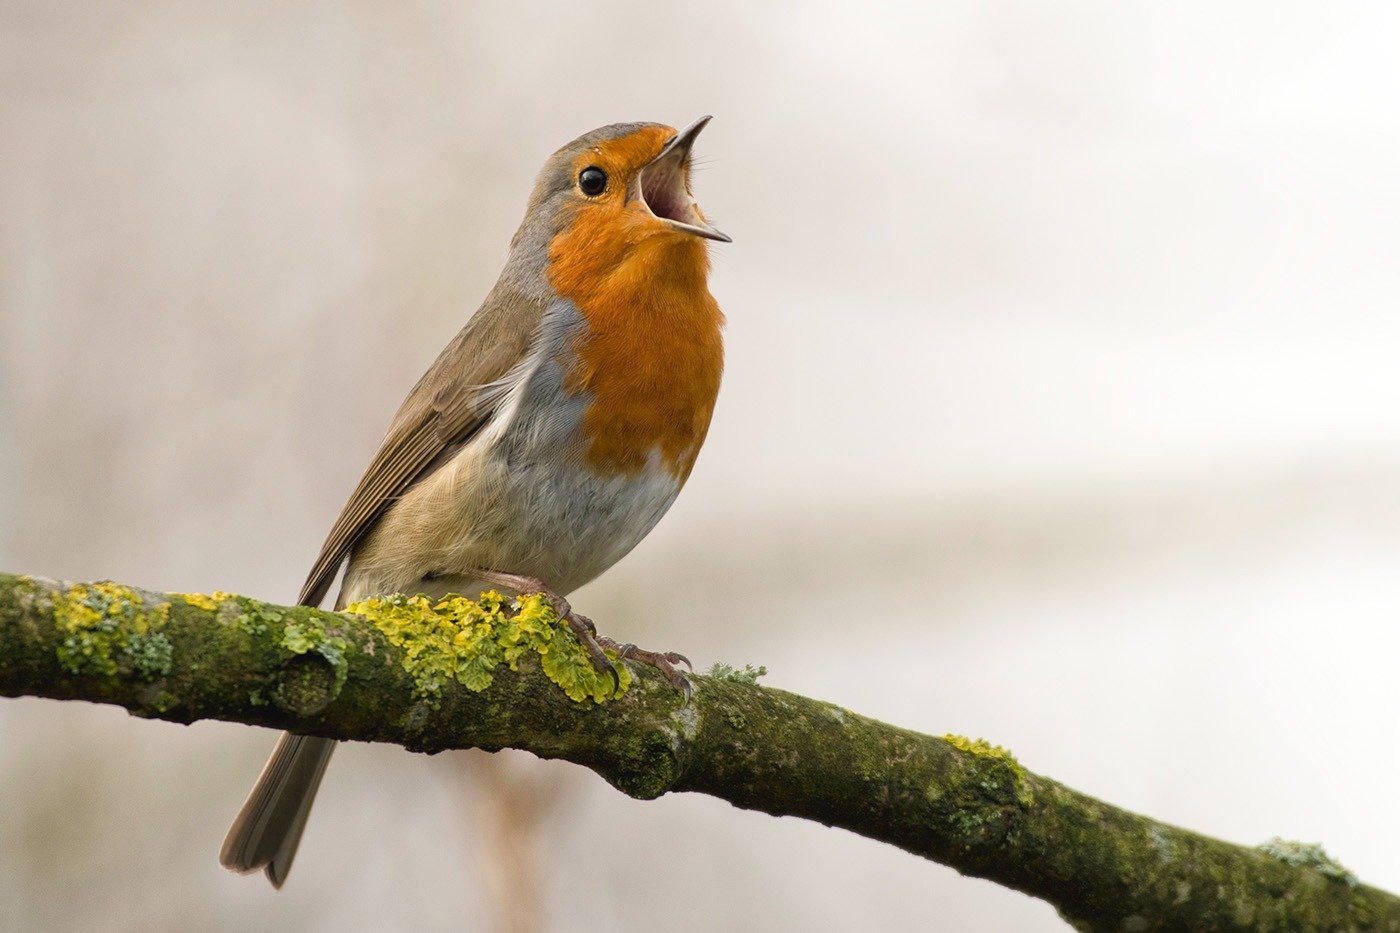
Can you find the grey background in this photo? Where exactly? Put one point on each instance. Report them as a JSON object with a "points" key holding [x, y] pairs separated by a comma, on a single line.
{"points": [[1061, 409]]}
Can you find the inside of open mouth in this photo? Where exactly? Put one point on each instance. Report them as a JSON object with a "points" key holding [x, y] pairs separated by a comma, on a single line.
{"points": [[663, 188]]}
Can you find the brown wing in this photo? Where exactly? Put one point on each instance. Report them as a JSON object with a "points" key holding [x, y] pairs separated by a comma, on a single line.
{"points": [[455, 397]]}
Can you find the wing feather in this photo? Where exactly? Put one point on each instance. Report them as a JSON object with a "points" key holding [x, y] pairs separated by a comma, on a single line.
{"points": [[456, 396]]}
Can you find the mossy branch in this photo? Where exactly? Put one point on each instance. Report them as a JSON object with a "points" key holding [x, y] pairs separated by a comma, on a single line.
{"points": [[494, 675]]}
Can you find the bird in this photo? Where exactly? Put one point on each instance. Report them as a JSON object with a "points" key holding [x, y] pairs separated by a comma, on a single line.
{"points": [[548, 437]]}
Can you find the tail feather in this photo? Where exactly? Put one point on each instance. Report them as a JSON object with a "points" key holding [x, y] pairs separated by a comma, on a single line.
{"points": [[266, 831]]}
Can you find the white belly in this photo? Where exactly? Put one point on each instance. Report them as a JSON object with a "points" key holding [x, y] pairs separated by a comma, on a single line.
{"points": [[529, 506]]}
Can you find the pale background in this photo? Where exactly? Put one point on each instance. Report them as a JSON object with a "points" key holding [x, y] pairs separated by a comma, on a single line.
{"points": [[1062, 408]]}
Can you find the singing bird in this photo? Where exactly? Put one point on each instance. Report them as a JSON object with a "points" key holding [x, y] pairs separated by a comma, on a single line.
{"points": [[549, 436]]}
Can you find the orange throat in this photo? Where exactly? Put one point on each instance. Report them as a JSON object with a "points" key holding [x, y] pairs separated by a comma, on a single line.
{"points": [[652, 355]]}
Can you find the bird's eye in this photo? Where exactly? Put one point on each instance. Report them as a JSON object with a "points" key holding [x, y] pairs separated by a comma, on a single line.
{"points": [[592, 181]]}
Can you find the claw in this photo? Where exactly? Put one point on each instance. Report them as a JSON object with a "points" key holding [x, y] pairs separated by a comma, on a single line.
{"points": [[663, 661]]}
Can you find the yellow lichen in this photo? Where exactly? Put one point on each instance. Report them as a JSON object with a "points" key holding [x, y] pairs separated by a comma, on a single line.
{"points": [[104, 623], [460, 639], [205, 601], [984, 749], [979, 747]]}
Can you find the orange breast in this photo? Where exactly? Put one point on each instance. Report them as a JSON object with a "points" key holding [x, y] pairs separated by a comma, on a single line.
{"points": [[653, 354]]}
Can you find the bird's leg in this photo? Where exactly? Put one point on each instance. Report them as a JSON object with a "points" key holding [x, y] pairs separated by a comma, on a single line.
{"points": [[587, 633]]}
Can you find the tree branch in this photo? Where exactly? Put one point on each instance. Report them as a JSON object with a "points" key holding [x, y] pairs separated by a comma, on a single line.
{"points": [[402, 673]]}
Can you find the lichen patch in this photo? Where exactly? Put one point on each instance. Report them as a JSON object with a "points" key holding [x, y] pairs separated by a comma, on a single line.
{"points": [[206, 601], [984, 749], [465, 640], [306, 635], [1311, 854], [108, 628]]}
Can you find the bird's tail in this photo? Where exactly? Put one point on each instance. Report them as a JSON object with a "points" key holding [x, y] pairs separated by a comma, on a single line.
{"points": [[266, 831]]}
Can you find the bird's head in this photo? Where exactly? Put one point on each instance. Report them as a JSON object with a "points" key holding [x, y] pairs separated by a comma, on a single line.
{"points": [[619, 194], [635, 175]]}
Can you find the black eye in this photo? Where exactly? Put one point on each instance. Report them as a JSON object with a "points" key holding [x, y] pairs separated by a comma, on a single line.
{"points": [[592, 181]]}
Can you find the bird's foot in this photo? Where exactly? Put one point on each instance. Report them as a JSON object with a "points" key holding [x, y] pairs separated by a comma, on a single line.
{"points": [[663, 661]]}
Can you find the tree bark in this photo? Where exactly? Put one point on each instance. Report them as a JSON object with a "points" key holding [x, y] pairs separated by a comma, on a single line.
{"points": [[416, 675]]}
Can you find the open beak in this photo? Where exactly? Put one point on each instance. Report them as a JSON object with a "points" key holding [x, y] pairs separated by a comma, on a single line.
{"points": [[664, 186]]}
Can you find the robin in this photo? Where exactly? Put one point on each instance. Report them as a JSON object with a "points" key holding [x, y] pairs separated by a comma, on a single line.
{"points": [[549, 436]]}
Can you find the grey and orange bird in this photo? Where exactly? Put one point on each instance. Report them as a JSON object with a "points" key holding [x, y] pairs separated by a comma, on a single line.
{"points": [[550, 435]]}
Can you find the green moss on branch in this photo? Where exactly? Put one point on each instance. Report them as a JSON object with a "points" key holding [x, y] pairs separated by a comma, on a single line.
{"points": [[487, 674]]}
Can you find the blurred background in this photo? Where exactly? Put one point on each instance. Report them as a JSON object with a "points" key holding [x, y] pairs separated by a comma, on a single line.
{"points": [[1061, 408]]}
